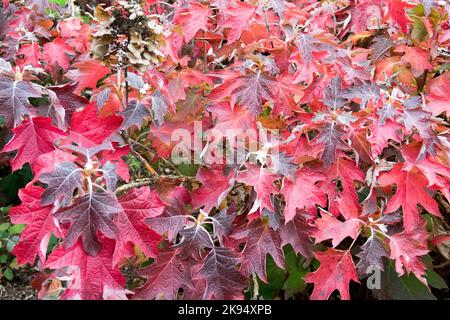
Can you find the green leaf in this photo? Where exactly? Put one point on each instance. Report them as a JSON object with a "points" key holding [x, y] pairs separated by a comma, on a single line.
{"points": [[4, 226], [5, 210], [432, 277], [275, 277], [295, 282], [419, 30], [3, 258], [16, 229], [61, 3], [8, 274], [12, 243], [11, 183], [189, 170], [406, 287], [435, 280], [418, 10], [52, 243], [14, 264]]}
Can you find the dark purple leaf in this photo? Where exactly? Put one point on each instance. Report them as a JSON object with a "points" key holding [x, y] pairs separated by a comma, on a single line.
{"points": [[223, 279], [135, 114], [62, 182], [90, 213], [371, 255], [14, 102]]}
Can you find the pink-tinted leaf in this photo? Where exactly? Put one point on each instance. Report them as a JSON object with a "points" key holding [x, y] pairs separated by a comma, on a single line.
{"points": [[262, 240], [93, 276], [40, 225], [335, 272], [31, 139]]}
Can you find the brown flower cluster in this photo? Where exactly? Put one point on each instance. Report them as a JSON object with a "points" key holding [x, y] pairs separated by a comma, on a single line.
{"points": [[127, 36]]}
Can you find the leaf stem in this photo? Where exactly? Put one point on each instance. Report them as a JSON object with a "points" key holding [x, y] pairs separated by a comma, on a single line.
{"points": [[255, 287]]}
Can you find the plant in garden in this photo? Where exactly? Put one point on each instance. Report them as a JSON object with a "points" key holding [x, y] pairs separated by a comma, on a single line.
{"points": [[9, 236], [229, 149]]}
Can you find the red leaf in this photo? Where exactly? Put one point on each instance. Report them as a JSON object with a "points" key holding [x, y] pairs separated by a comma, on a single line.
{"points": [[303, 193], [47, 162], [88, 130], [335, 272], [87, 74], [407, 248], [418, 59], [14, 102], [436, 173], [238, 17], [115, 157], [381, 134], [328, 227], [169, 223], [89, 214], [262, 181], [63, 97], [252, 90], [438, 89], [223, 280], [61, 183], [56, 53], [296, 233], [31, 54], [192, 19], [347, 172], [93, 276], [40, 225], [194, 239], [262, 240], [229, 118], [31, 139], [137, 205], [396, 10], [411, 191], [214, 189]]}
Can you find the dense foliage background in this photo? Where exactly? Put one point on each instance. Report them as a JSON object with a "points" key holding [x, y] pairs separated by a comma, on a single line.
{"points": [[351, 201]]}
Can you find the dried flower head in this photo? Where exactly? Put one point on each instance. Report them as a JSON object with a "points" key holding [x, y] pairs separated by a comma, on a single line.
{"points": [[127, 36]]}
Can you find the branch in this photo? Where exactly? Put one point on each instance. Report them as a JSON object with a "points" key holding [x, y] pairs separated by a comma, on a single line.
{"points": [[266, 21], [137, 154], [136, 184], [153, 179], [255, 287]]}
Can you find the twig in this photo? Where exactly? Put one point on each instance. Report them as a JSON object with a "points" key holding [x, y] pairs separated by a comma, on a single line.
{"points": [[153, 152], [126, 86], [136, 184], [442, 265], [266, 21], [138, 155], [153, 179], [255, 287], [144, 161], [205, 54]]}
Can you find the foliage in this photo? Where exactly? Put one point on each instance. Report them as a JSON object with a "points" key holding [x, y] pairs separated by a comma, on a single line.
{"points": [[355, 91], [10, 183], [9, 236]]}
